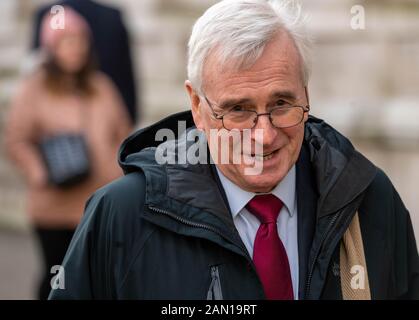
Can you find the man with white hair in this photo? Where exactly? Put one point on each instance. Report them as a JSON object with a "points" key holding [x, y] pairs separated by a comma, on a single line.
{"points": [[314, 219]]}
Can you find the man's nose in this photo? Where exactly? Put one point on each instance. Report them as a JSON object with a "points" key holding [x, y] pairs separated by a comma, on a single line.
{"points": [[268, 133]]}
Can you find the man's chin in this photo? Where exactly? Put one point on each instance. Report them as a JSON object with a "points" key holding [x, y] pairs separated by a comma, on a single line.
{"points": [[262, 183]]}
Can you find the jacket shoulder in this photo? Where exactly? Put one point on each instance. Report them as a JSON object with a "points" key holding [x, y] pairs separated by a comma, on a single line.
{"points": [[115, 206], [382, 205], [125, 193], [105, 241], [381, 188]]}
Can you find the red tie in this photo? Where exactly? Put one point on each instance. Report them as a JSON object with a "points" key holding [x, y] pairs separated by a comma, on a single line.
{"points": [[269, 255]]}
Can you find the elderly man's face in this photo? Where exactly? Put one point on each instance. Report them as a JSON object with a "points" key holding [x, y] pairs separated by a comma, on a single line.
{"points": [[276, 76]]}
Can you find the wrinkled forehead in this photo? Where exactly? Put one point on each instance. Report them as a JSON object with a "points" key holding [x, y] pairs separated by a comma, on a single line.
{"points": [[278, 61]]}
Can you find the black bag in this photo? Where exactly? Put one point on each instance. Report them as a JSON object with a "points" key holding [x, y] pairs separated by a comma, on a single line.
{"points": [[66, 158]]}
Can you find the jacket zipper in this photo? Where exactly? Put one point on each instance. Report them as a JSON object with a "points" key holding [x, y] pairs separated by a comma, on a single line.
{"points": [[195, 225], [311, 270], [214, 291]]}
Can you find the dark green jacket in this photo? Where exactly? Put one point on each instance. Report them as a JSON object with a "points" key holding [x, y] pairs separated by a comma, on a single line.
{"points": [[165, 231]]}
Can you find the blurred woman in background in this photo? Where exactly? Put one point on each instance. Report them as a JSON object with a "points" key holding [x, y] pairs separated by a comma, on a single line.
{"points": [[65, 95]]}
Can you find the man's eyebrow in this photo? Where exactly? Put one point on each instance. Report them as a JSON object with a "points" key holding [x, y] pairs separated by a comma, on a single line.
{"points": [[231, 102], [286, 94]]}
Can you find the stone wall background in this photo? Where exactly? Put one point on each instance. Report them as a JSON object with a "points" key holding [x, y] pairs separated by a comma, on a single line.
{"points": [[365, 82]]}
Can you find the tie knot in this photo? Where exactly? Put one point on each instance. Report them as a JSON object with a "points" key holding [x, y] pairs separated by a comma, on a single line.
{"points": [[265, 207]]}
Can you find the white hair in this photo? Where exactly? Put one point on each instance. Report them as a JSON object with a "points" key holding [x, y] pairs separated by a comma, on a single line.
{"points": [[239, 30]]}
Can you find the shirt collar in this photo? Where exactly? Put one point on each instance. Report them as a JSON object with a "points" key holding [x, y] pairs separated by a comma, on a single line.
{"points": [[238, 198]]}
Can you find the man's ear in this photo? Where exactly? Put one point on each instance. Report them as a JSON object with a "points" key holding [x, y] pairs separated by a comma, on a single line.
{"points": [[308, 103], [307, 96], [195, 105]]}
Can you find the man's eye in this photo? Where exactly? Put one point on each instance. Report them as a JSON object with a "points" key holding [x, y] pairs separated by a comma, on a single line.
{"points": [[237, 108], [281, 103]]}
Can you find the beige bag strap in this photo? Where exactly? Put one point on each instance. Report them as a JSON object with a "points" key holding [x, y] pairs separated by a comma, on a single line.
{"points": [[353, 268]]}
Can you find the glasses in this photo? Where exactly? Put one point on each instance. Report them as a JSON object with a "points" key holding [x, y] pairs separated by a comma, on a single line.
{"points": [[281, 117]]}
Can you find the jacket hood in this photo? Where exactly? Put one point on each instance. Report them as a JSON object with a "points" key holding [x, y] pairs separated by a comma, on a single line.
{"points": [[336, 164]]}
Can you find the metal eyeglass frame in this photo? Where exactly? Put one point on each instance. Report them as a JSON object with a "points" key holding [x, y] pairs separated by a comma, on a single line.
{"points": [[221, 117]]}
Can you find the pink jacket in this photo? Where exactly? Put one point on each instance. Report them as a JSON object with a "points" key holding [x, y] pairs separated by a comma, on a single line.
{"points": [[34, 113]]}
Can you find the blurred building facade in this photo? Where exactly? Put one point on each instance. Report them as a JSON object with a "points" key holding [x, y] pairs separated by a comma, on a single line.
{"points": [[365, 81]]}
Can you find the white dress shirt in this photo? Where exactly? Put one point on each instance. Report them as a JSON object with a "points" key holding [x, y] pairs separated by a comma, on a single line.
{"points": [[247, 224]]}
